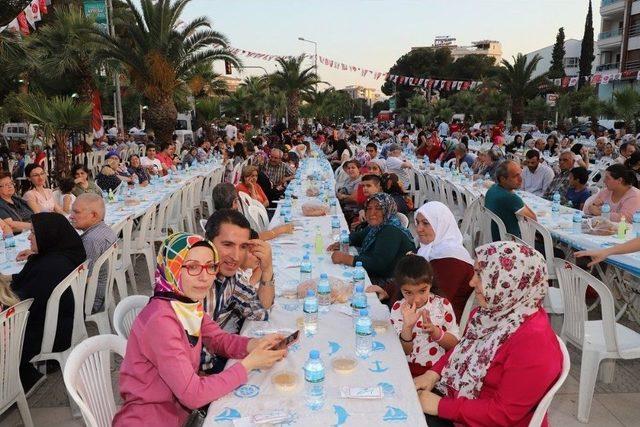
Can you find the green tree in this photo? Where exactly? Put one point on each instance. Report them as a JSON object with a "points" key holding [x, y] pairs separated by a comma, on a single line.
{"points": [[257, 89], [330, 105], [12, 54], [238, 104], [517, 81], [58, 117], [586, 49], [158, 51], [492, 106], [379, 106], [297, 84], [418, 109], [537, 111], [557, 57], [465, 102], [203, 81], [626, 104]]}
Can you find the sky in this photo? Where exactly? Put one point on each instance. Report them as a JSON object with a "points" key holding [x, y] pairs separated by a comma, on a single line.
{"points": [[373, 34]]}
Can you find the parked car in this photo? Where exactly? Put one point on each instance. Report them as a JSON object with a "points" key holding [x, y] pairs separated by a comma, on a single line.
{"points": [[585, 129]]}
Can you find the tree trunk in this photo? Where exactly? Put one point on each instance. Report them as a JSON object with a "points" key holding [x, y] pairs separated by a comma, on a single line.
{"points": [[161, 118], [63, 165], [294, 110], [517, 112]]}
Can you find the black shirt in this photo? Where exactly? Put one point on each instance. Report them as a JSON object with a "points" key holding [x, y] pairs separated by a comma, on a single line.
{"points": [[19, 210]]}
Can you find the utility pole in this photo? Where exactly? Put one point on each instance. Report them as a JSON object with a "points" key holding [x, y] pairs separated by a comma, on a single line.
{"points": [[116, 77]]}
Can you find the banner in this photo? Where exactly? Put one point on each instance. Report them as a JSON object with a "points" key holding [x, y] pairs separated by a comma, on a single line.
{"points": [[96, 115], [98, 9], [32, 13], [22, 22]]}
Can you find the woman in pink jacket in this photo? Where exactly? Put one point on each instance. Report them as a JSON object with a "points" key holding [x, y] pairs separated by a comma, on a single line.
{"points": [[508, 357], [159, 380]]}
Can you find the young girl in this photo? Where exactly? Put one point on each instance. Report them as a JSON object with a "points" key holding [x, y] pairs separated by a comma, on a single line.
{"points": [[66, 198], [425, 322]]}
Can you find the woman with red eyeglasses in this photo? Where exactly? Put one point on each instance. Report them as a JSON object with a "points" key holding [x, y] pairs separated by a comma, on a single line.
{"points": [[159, 379]]}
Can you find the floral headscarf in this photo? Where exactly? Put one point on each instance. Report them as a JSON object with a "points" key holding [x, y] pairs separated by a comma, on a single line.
{"points": [[168, 285], [514, 282], [389, 211]]}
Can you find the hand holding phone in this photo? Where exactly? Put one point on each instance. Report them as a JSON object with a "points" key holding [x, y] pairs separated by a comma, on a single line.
{"points": [[287, 341]]}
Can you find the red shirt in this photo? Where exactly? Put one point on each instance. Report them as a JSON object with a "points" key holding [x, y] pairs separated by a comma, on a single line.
{"points": [[167, 161], [524, 368], [453, 276]]}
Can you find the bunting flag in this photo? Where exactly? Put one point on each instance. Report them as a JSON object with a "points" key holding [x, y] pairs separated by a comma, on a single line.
{"points": [[22, 22], [96, 115], [32, 13]]}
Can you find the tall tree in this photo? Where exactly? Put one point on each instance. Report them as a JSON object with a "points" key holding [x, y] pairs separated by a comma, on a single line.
{"points": [[297, 83], [557, 57], [518, 82], [158, 50], [586, 50]]}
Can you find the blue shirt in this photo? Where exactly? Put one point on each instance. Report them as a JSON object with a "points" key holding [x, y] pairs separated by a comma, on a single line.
{"points": [[577, 198]]}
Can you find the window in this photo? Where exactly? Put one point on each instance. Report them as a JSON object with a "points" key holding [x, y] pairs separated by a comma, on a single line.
{"points": [[571, 62]]}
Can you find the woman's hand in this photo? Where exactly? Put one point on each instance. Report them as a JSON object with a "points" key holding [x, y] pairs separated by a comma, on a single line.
{"points": [[270, 340], [382, 294], [597, 256], [338, 257], [333, 247], [261, 355], [23, 255], [426, 381], [429, 402]]}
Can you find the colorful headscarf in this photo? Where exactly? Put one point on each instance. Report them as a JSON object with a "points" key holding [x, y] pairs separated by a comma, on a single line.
{"points": [[389, 211], [168, 284], [514, 283]]}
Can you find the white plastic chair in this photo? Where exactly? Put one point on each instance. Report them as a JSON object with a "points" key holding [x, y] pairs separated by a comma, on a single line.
{"points": [[403, 219], [600, 340], [185, 209], [126, 312], [13, 322], [141, 244], [77, 281], [543, 406], [87, 377], [259, 217], [123, 264], [101, 318], [487, 217], [471, 226], [203, 224], [469, 305]]}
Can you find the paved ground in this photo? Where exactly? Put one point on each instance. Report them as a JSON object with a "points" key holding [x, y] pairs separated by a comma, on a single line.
{"points": [[614, 405]]}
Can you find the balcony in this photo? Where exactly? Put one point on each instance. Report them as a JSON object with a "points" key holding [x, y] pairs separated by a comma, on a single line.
{"points": [[610, 66], [612, 7], [609, 39], [633, 65]]}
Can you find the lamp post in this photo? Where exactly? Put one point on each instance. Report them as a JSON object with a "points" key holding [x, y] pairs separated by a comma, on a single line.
{"points": [[315, 62]]}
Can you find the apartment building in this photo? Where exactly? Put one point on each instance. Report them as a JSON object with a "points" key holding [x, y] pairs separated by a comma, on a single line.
{"points": [[491, 48], [357, 92]]}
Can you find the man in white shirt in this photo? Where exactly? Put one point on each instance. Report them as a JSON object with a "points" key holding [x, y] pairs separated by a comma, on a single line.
{"points": [[537, 176], [152, 164], [443, 129], [396, 165], [231, 131]]}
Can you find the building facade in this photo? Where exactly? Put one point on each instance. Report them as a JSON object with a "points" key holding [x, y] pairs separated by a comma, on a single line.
{"points": [[571, 60], [491, 48], [361, 92]]}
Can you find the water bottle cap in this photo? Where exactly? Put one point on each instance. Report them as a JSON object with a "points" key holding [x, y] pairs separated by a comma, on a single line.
{"points": [[364, 312], [359, 288], [310, 292], [305, 257], [324, 276], [314, 354], [358, 263]]}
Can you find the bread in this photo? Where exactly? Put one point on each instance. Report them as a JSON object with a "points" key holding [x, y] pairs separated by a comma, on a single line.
{"points": [[344, 365]]}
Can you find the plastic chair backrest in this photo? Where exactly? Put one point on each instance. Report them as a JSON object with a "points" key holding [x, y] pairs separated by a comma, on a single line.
{"points": [[489, 217], [144, 228], [528, 230], [403, 219], [573, 284], [468, 306], [543, 406], [203, 223], [259, 216], [77, 281], [13, 323], [245, 202], [87, 376], [108, 257], [126, 312]]}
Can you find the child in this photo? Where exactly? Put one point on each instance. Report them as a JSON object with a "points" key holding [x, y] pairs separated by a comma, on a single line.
{"points": [[425, 322], [577, 193], [66, 198]]}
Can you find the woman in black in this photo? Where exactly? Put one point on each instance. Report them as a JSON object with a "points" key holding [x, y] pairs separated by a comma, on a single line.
{"points": [[391, 186], [56, 250], [13, 210]]}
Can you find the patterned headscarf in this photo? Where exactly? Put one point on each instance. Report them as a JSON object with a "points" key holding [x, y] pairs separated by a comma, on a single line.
{"points": [[514, 283], [389, 211], [168, 285]]}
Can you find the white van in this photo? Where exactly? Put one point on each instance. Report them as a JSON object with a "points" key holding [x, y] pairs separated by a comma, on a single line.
{"points": [[19, 131]]}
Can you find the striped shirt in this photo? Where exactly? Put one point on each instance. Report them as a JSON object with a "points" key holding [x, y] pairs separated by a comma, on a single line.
{"points": [[96, 240], [277, 173]]}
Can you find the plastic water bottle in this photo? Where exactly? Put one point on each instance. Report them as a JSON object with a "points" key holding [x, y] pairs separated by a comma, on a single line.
{"points": [[358, 302], [622, 228], [324, 293], [344, 241], [636, 224], [310, 309], [319, 242], [555, 206], [10, 246], [305, 268], [358, 275], [606, 211], [314, 381], [333, 206], [577, 221], [3, 251], [335, 228], [363, 335]]}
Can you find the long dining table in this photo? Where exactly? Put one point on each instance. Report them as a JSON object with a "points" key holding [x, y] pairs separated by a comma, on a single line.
{"points": [[385, 370]]}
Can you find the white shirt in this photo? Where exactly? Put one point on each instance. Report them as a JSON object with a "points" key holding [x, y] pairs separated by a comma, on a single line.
{"points": [[394, 165], [538, 181], [443, 129], [231, 130], [146, 162], [113, 131]]}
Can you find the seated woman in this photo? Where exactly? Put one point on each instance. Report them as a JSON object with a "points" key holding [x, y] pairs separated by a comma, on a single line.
{"points": [[39, 198], [620, 193], [65, 196], [112, 174], [189, 157], [382, 243], [83, 184], [441, 245], [249, 185], [159, 381], [136, 170], [391, 185], [509, 355], [489, 161], [56, 250], [347, 190], [14, 211], [424, 320]]}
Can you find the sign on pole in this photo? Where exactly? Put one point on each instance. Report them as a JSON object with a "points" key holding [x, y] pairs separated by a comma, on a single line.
{"points": [[552, 98], [392, 103], [97, 9]]}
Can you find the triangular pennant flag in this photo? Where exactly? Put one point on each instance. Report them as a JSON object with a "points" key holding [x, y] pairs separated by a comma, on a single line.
{"points": [[436, 83], [573, 81], [22, 22], [33, 13], [43, 6], [420, 82], [13, 25], [638, 76], [459, 85], [605, 79], [465, 85], [617, 76], [565, 81]]}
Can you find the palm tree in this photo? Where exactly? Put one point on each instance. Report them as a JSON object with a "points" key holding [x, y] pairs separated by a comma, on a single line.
{"points": [[58, 117], [159, 52], [61, 49], [203, 81], [626, 104], [518, 83], [296, 83], [257, 89], [239, 103]]}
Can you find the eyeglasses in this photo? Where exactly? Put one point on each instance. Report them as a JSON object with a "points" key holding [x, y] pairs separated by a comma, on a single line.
{"points": [[33, 175], [8, 184], [194, 269]]}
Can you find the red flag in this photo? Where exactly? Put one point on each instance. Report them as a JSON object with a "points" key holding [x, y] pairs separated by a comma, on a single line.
{"points": [[565, 81], [465, 85], [96, 115], [22, 22], [43, 6]]}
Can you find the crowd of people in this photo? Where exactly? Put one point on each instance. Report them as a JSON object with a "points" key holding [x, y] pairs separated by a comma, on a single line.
{"points": [[493, 372]]}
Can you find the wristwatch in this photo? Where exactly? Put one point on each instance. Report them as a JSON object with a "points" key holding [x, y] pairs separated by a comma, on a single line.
{"points": [[268, 282]]}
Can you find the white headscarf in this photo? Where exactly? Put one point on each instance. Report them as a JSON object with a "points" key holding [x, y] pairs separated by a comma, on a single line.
{"points": [[448, 240]]}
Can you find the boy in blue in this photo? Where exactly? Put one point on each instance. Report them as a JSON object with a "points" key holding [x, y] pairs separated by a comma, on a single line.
{"points": [[578, 193]]}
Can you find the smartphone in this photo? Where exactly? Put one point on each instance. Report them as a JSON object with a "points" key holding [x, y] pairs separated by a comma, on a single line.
{"points": [[287, 341]]}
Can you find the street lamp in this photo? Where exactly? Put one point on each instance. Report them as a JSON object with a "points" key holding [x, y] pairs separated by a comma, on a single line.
{"points": [[315, 62]]}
